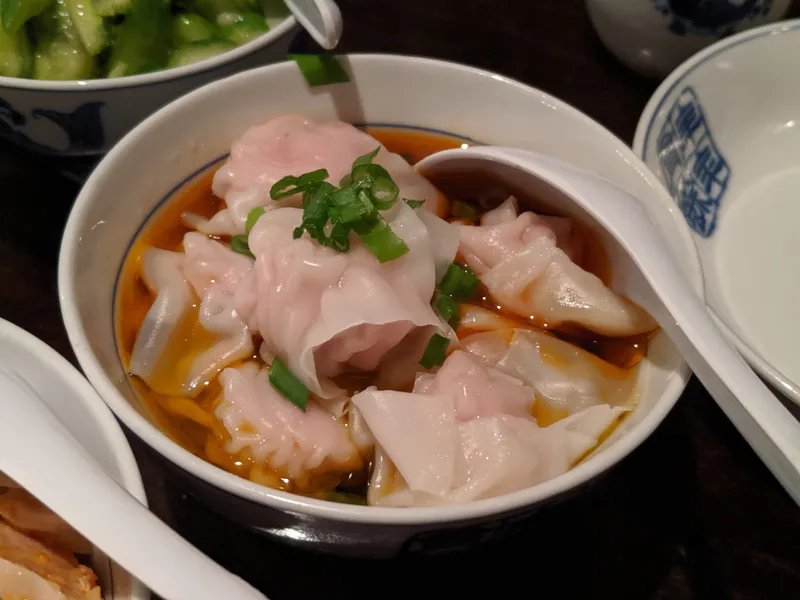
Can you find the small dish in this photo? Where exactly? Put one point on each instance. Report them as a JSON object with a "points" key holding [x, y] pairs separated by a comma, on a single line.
{"points": [[83, 413], [721, 132]]}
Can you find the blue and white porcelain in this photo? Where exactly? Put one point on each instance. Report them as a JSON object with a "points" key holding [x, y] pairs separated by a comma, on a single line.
{"points": [[722, 134], [655, 36], [80, 118]]}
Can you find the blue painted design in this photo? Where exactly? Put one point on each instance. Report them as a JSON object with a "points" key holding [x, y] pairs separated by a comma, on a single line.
{"points": [[710, 17], [693, 168], [83, 127]]}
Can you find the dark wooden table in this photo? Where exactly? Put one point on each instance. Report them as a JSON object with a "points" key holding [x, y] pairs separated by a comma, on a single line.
{"points": [[691, 514]]}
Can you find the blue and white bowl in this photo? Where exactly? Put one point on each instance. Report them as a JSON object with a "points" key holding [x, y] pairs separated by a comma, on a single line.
{"points": [[721, 132], [83, 118]]}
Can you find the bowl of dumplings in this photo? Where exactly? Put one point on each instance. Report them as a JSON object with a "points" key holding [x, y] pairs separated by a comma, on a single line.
{"points": [[334, 349]]}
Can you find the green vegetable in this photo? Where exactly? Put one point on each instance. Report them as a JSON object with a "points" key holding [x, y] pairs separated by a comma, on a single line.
{"points": [[283, 380], [60, 54], [320, 69], [88, 24], [435, 351], [192, 53], [449, 308], [16, 56], [291, 185], [143, 40], [253, 216], [345, 498], [14, 13], [220, 11], [463, 210], [191, 27], [414, 203], [239, 244], [111, 8], [275, 11], [246, 27], [459, 282], [353, 207]]}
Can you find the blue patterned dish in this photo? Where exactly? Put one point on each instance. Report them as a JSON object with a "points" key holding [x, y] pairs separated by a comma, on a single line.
{"points": [[721, 133]]}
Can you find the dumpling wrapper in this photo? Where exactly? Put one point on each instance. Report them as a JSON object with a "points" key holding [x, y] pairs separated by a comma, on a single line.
{"points": [[293, 443], [566, 378], [452, 461], [326, 312], [525, 268], [294, 145], [181, 345]]}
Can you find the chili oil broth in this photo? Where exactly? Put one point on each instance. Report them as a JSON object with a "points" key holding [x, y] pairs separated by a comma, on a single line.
{"points": [[191, 422]]}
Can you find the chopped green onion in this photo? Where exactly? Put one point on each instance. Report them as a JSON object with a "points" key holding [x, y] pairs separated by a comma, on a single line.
{"points": [[283, 380], [435, 351], [284, 187], [414, 203], [383, 242], [463, 210], [253, 216], [346, 498], [320, 69], [459, 282], [315, 213], [377, 180], [239, 244], [366, 159], [449, 308]]}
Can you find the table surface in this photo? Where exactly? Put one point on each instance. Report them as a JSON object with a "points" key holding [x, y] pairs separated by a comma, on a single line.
{"points": [[691, 514]]}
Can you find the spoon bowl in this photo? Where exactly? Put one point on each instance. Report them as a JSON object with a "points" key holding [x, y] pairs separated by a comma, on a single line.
{"points": [[322, 19], [646, 272]]}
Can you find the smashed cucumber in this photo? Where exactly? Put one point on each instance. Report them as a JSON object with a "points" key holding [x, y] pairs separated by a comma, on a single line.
{"points": [[191, 27], [192, 53], [16, 56], [82, 39]]}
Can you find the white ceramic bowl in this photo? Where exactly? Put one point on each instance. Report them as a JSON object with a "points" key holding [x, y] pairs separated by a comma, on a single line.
{"points": [[83, 413], [78, 118], [722, 133], [172, 146]]}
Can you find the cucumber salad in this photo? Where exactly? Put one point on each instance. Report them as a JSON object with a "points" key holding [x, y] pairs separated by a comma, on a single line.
{"points": [[89, 39]]}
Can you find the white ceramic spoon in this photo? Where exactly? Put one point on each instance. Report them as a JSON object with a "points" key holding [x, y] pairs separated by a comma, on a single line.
{"points": [[321, 18], [657, 284], [42, 456]]}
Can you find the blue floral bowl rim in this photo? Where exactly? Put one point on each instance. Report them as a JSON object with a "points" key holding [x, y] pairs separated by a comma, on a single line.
{"points": [[641, 141]]}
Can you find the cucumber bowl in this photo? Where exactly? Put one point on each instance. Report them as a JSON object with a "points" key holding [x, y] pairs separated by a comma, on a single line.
{"points": [[77, 75]]}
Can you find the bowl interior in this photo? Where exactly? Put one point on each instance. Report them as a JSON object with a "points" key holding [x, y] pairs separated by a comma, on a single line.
{"points": [[80, 409], [722, 133], [181, 140]]}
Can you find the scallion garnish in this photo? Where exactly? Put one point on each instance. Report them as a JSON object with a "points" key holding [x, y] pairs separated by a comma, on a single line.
{"points": [[320, 69], [463, 210], [239, 244], [253, 216], [435, 351], [414, 203], [459, 282], [354, 206], [283, 380], [291, 185], [458, 285]]}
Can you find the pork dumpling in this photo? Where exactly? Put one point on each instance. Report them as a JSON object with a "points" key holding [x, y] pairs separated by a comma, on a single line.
{"points": [[301, 446], [294, 145], [326, 312], [566, 378], [523, 264], [211, 327], [473, 437]]}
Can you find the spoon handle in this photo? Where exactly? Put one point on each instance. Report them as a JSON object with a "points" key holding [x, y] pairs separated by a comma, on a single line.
{"points": [[763, 421], [43, 457]]}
